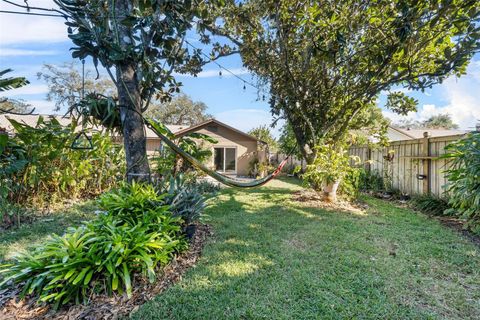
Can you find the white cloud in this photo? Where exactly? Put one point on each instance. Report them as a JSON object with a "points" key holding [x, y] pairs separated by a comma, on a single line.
{"points": [[16, 29], [26, 90], [6, 52], [247, 119], [463, 100], [42, 106], [215, 73]]}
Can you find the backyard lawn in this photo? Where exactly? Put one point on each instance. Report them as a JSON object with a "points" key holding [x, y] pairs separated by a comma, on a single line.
{"points": [[272, 258], [275, 258]]}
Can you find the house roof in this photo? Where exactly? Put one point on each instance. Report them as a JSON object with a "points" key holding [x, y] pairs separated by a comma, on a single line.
{"points": [[29, 119], [178, 130], [418, 133], [215, 121]]}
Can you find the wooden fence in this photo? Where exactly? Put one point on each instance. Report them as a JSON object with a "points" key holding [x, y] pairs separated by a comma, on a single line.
{"points": [[292, 162], [412, 166]]}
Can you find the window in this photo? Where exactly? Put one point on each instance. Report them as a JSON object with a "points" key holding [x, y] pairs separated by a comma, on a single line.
{"points": [[225, 159]]}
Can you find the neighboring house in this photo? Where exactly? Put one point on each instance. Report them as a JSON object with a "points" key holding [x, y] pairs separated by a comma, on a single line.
{"points": [[29, 119], [232, 154], [398, 134]]}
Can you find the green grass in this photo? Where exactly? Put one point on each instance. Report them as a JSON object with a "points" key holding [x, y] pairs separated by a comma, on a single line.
{"points": [[28, 235], [272, 258]]}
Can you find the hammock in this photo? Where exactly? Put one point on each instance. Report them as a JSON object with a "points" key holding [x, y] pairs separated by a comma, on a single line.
{"points": [[160, 131]]}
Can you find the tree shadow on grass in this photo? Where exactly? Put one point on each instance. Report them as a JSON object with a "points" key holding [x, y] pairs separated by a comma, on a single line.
{"points": [[277, 265], [269, 260]]}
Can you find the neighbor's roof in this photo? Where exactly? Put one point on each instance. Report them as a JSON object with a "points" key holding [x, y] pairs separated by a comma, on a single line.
{"points": [[178, 130], [418, 133], [29, 119]]}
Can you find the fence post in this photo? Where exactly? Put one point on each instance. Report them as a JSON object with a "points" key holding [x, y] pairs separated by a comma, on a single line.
{"points": [[369, 159], [426, 162]]}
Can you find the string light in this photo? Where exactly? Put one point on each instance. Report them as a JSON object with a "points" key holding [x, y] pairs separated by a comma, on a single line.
{"points": [[245, 82]]}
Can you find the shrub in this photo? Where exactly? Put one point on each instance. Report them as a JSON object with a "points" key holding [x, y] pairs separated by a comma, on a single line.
{"points": [[371, 181], [166, 162], [464, 179], [132, 237], [431, 204], [332, 164], [350, 184], [37, 165]]}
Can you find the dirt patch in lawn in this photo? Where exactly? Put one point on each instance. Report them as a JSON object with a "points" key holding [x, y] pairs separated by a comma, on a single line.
{"points": [[105, 307], [314, 199]]}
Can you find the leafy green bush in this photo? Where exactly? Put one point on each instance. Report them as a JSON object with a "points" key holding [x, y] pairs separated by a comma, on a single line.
{"points": [[431, 204], [350, 184], [330, 165], [166, 162], [371, 181], [464, 179], [134, 236], [37, 165]]}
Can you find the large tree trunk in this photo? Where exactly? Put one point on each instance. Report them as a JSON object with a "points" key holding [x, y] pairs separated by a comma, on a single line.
{"points": [[308, 152], [134, 138], [130, 103]]}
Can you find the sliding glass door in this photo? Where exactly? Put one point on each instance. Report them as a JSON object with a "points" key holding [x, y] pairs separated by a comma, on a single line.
{"points": [[225, 159]]}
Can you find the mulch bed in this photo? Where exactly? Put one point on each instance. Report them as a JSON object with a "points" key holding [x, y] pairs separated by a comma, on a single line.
{"points": [[108, 307], [315, 199]]}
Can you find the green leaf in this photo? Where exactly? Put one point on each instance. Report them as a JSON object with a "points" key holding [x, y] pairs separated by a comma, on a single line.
{"points": [[88, 277], [126, 280], [81, 275], [114, 282]]}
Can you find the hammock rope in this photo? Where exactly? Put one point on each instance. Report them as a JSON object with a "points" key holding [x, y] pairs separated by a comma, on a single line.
{"points": [[157, 129]]}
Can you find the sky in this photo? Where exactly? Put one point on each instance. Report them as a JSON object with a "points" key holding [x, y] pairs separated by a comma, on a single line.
{"points": [[28, 42]]}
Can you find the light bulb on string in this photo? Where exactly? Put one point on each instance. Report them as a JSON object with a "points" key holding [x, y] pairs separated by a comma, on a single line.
{"points": [[244, 86], [220, 73]]}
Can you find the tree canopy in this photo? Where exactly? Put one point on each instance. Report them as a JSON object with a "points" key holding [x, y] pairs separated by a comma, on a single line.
{"points": [[326, 62], [181, 110], [440, 121], [65, 84], [264, 133], [143, 42]]}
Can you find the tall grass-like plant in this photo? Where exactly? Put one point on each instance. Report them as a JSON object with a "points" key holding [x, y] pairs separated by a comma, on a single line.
{"points": [[464, 179], [37, 165], [130, 239]]}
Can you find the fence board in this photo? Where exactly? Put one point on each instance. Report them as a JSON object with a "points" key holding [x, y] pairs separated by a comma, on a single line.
{"points": [[405, 167]]}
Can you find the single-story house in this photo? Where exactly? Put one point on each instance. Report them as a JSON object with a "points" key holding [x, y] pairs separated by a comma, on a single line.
{"points": [[232, 154]]}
